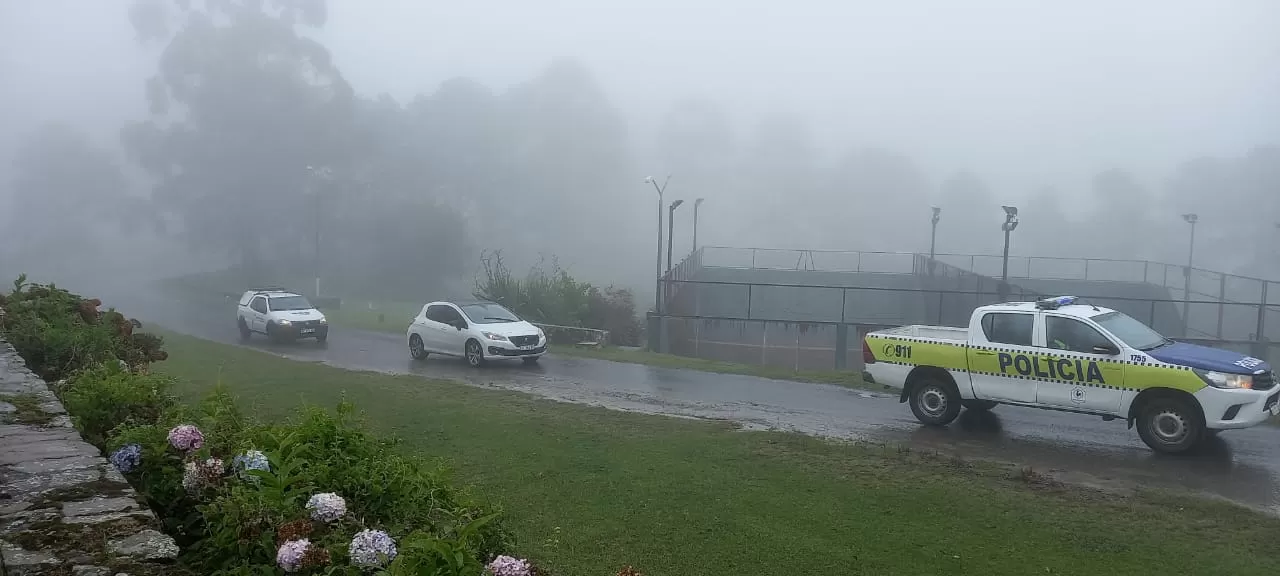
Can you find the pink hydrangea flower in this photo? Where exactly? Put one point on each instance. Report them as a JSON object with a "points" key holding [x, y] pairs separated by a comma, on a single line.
{"points": [[186, 438]]}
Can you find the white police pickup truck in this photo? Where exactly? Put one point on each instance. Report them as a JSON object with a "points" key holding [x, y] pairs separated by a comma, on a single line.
{"points": [[280, 316], [1057, 354]]}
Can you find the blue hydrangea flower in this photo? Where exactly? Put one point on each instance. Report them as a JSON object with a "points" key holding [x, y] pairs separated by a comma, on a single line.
{"points": [[127, 458], [372, 548], [289, 556], [326, 507], [251, 460], [509, 566]]}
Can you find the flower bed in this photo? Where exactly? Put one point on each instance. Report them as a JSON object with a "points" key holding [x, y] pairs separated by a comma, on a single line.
{"points": [[316, 494]]}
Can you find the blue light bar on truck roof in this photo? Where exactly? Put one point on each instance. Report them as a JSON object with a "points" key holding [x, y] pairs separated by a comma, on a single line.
{"points": [[1055, 302]]}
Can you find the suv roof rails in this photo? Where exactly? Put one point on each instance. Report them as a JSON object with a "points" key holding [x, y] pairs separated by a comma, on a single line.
{"points": [[267, 289]]}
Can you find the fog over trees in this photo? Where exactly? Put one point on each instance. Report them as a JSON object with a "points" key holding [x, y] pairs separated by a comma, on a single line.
{"points": [[158, 137]]}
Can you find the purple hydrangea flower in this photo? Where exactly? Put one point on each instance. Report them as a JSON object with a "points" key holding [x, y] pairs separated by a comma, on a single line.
{"points": [[251, 460], [508, 566], [326, 507], [186, 438], [372, 548], [127, 458], [289, 556]]}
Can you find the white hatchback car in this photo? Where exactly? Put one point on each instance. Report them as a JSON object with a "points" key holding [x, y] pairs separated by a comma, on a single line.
{"points": [[476, 330]]}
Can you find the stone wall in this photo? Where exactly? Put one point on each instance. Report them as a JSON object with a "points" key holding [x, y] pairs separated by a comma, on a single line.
{"points": [[63, 508]]}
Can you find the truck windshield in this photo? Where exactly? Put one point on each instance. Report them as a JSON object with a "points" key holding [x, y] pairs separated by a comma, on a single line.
{"points": [[1132, 332], [287, 303]]}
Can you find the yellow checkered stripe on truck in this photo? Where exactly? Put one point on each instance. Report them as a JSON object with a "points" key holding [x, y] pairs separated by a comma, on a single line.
{"points": [[1051, 366]]}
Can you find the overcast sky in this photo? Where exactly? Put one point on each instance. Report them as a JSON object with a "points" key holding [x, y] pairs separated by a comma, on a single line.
{"points": [[1025, 93]]}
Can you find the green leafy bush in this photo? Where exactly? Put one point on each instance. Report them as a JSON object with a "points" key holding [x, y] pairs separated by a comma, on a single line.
{"points": [[105, 396], [58, 332], [552, 296], [237, 524]]}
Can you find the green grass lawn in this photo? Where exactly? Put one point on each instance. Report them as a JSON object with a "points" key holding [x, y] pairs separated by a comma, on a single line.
{"points": [[588, 490]]}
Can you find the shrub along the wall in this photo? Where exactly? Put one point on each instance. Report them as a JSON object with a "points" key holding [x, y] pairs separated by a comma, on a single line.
{"points": [[318, 493]]}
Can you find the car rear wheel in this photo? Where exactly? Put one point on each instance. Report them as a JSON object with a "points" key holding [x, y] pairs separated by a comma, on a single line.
{"points": [[416, 349], [934, 402], [1170, 425], [475, 354], [245, 334]]}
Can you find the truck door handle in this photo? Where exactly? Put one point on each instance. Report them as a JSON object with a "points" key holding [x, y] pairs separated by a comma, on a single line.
{"points": [[981, 353]]}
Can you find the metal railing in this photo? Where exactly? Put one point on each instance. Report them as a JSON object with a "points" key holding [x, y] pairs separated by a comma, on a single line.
{"points": [[1237, 324], [1203, 282]]}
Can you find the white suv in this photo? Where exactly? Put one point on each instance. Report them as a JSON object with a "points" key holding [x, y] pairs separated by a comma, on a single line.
{"points": [[476, 330], [280, 316]]}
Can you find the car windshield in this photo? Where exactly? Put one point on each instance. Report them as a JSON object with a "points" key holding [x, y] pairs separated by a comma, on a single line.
{"points": [[1132, 332], [488, 313], [287, 303]]}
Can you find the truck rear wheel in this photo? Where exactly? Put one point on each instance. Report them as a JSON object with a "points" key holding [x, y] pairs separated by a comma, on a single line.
{"points": [[1170, 424], [933, 402]]}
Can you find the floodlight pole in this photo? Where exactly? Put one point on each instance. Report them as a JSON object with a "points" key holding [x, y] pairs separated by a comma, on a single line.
{"points": [[1010, 223], [933, 237], [1190, 218]]}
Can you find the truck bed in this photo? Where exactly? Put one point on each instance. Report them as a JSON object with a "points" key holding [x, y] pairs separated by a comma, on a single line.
{"points": [[950, 333]]}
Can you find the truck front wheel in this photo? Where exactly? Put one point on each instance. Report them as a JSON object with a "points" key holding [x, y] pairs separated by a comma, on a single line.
{"points": [[1170, 424], [934, 403]]}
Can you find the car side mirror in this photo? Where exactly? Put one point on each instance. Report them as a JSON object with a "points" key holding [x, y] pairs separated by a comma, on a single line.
{"points": [[460, 324], [1108, 349]]}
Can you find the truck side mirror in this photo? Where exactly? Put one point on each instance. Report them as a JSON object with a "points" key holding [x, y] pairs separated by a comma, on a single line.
{"points": [[1108, 349]]}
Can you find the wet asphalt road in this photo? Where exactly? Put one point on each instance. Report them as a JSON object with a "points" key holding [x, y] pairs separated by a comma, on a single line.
{"points": [[1241, 465]]}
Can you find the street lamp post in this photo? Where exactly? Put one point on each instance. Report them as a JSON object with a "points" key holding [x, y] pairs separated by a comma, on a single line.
{"points": [[657, 268], [696, 204], [933, 237], [322, 172], [671, 221], [1010, 223], [1190, 218]]}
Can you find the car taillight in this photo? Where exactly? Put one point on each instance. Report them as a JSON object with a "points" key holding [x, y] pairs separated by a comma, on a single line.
{"points": [[867, 356]]}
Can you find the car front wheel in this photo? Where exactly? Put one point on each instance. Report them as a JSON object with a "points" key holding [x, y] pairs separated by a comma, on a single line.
{"points": [[416, 349], [475, 354]]}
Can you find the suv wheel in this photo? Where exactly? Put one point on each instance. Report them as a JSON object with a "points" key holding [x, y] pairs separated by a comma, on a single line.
{"points": [[245, 334], [475, 355], [934, 403], [1170, 425]]}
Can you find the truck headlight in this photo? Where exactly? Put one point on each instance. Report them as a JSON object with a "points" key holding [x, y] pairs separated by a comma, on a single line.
{"points": [[1224, 380], [495, 337], [283, 322]]}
